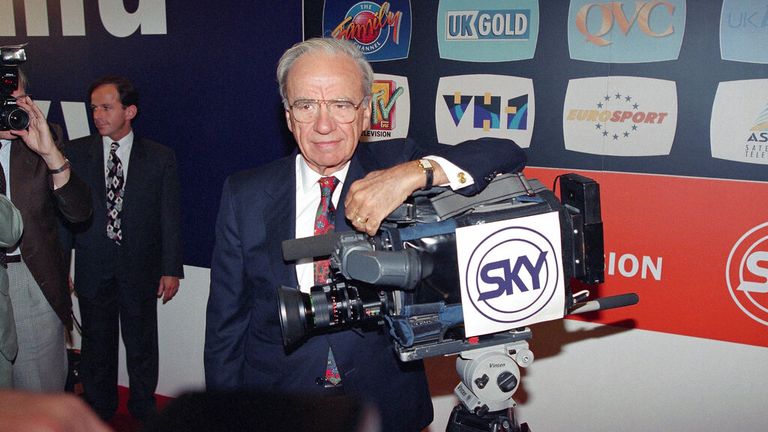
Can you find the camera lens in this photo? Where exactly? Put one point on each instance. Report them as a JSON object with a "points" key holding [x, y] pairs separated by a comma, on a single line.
{"points": [[13, 118]]}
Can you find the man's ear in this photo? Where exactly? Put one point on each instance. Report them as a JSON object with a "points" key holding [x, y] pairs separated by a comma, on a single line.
{"points": [[131, 111], [288, 120]]}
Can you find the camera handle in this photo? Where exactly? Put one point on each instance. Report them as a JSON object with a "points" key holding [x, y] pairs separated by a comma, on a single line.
{"points": [[489, 378]]}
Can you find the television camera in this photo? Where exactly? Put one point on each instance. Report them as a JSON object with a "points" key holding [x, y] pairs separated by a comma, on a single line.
{"points": [[450, 274], [12, 117]]}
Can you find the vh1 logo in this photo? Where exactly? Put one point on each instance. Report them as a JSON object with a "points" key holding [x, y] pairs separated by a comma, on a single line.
{"points": [[489, 110]]}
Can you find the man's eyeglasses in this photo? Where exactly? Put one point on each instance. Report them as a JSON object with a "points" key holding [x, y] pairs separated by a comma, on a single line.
{"points": [[307, 110]]}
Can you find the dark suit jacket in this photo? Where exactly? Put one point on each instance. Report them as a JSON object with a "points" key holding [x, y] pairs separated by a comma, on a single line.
{"points": [[152, 244], [243, 346], [39, 205]]}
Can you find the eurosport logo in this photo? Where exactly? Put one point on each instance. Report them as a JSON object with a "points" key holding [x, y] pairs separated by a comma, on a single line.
{"points": [[746, 273], [620, 116], [739, 124], [635, 31], [511, 273], [382, 30], [390, 108], [491, 31], [476, 106], [744, 31]]}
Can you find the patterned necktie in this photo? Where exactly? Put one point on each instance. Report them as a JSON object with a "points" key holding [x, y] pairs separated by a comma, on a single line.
{"points": [[115, 190], [324, 223]]}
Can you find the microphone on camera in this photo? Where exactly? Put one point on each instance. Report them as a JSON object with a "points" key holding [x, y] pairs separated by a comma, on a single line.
{"points": [[310, 247]]}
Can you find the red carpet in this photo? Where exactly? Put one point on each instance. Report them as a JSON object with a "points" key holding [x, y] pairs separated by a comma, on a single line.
{"points": [[122, 421]]}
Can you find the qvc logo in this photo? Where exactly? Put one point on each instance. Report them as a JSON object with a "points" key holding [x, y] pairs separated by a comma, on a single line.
{"points": [[747, 273], [512, 274]]}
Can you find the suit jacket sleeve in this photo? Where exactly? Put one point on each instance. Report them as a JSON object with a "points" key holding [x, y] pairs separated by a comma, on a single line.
{"points": [[170, 218], [74, 199], [227, 314], [11, 225]]}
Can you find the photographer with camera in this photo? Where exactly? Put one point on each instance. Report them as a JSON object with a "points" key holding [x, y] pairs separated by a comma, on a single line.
{"points": [[332, 182], [38, 179]]}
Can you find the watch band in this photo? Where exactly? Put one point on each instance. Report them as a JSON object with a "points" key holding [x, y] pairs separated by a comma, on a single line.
{"points": [[429, 172], [63, 168]]}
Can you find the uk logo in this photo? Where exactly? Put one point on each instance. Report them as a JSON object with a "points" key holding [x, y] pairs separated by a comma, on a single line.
{"points": [[746, 273], [500, 30], [511, 276], [744, 31], [637, 31], [382, 30]]}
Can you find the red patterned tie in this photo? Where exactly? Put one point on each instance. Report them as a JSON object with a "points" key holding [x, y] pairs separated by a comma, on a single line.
{"points": [[324, 224]]}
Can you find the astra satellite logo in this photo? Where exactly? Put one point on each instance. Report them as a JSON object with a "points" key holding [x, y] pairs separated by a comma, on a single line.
{"points": [[739, 124], [382, 30], [390, 108], [513, 271], [475, 106], [626, 32], [746, 273], [744, 31], [502, 30], [620, 116]]}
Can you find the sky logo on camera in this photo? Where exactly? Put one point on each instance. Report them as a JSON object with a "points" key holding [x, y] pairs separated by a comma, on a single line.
{"points": [[502, 30], [510, 273], [382, 30]]}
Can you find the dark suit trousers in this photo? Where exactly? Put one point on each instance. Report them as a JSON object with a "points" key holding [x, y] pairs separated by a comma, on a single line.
{"points": [[114, 303]]}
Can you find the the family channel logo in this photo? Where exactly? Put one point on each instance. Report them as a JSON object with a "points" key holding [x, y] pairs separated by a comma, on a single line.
{"points": [[637, 31], [382, 30], [744, 31], [620, 116], [488, 31], [746, 273], [511, 273], [390, 108], [475, 106], [738, 129]]}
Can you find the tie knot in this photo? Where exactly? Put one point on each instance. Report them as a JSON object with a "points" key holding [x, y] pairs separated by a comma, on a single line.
{"points": [[327, 185], [114, 146]]}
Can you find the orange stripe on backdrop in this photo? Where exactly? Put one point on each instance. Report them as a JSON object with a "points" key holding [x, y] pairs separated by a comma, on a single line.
{"points": [[669, 239]]}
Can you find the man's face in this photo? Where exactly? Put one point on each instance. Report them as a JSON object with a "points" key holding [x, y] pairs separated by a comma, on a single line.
{"points": [[325, 143], [7, 134], [110, 117]]}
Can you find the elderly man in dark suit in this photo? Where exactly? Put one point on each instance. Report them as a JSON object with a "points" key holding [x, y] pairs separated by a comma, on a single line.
{"points": [[130, 252], [41, 184], [326, 86]]}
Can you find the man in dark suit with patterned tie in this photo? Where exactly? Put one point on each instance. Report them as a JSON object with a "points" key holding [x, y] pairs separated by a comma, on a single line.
{"points": [[326, 88], [129, 253]]}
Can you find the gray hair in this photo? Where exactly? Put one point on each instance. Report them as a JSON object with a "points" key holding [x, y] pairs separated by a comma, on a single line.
{"points": [[329, 46]]}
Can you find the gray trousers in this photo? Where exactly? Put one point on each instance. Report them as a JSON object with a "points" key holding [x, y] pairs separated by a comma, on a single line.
{"points": [[41, 364]]}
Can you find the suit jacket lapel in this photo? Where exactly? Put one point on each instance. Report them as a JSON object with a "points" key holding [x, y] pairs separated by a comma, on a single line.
{"points": [[281, 194], [96, 169]]}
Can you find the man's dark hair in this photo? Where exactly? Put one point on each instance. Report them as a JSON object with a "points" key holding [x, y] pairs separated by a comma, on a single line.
{"points": [[125, 89]]}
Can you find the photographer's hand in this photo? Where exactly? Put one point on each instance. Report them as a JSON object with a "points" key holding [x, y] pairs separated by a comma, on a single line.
{"points": [[39, 139], [374, 197]]}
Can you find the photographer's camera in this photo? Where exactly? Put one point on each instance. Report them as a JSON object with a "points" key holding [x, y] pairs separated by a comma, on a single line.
{"points": [[12, 117]]}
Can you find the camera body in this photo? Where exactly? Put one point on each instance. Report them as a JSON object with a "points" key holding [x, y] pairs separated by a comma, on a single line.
{"points": [[415, 274], [12, 117]]}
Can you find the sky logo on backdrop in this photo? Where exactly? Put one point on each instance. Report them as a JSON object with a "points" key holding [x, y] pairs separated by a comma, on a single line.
{"points": [[382, 30], [746, 273], [738, 128], [390, 108], [744, 31], [637, 31], [620, 116], [476, 106], [488, 31]]}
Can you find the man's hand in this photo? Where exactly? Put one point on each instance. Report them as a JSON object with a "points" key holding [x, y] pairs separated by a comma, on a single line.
{"points": [[375, 196], [39, 139], [168, 287]]}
